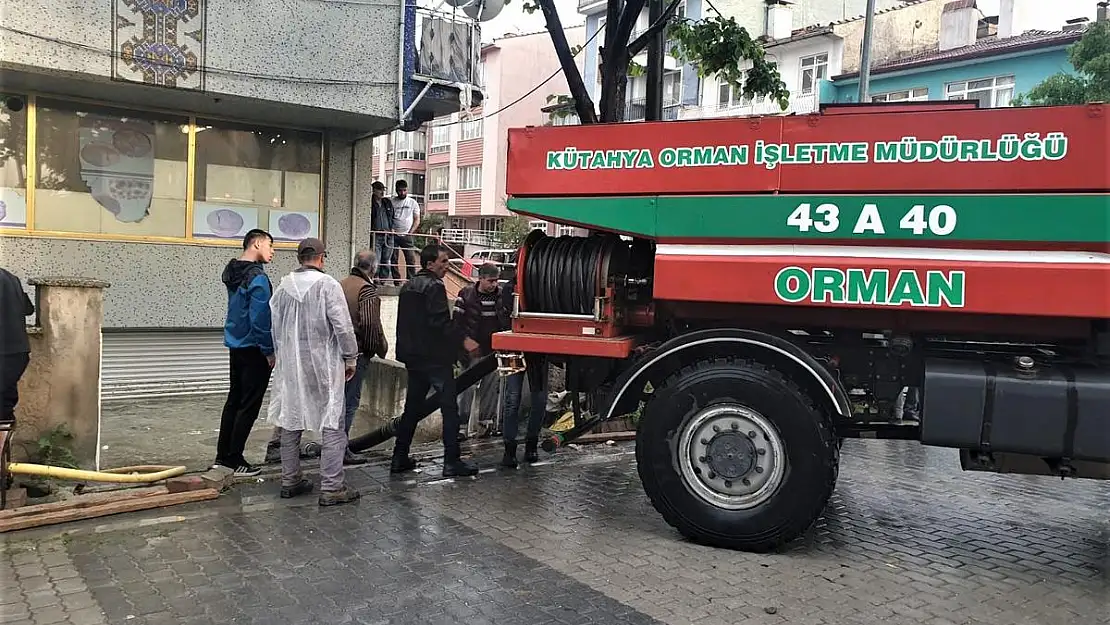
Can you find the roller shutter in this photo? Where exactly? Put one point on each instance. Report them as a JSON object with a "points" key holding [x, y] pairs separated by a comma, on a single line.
{"points": [[137, 365]]}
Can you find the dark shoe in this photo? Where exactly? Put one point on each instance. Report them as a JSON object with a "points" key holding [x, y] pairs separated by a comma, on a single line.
{"points": [[273, 453], [341, 496], [530, 453], [302, 487], [403, 465], [459, 468], [509, 459], [349, 458], [246, 470]]}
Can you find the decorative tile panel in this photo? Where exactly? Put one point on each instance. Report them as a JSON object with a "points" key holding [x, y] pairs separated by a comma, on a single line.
{"points": [[159, 42]]}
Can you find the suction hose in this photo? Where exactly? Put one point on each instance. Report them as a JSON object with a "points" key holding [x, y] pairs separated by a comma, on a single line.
{"points": [[142, 474], [561, 274]]}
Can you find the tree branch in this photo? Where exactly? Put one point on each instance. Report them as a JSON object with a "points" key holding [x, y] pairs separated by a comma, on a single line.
{"points": [[583, 104], [629, 14], [645, 38]]}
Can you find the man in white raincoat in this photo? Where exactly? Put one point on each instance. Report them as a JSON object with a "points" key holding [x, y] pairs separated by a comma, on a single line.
{"points": [[316, 352]]}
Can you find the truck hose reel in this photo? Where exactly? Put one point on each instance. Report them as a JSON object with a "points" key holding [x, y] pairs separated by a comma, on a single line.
{"points": [[565, 274]]}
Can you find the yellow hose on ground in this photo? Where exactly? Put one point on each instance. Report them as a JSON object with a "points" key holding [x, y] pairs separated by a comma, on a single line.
{"points": [[124, 475]]}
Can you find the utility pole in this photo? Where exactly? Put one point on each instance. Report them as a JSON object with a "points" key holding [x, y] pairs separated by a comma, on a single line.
{"points": [[654, 101], [865, 54]]}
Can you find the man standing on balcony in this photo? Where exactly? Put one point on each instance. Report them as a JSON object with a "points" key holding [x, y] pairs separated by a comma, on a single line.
{"points": [[381, 223], [406, 219]]}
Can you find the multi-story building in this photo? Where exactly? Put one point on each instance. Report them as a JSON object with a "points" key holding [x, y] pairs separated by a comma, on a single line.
{"points": [[986, 58], [140, 140], [455, 164], [685, 94]]}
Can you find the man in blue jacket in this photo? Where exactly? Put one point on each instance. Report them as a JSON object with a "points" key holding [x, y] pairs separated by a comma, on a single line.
{"points": [[247, 335]]}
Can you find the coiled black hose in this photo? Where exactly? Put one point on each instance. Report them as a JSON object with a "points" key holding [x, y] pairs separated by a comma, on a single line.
{"points": [[561, 273]]}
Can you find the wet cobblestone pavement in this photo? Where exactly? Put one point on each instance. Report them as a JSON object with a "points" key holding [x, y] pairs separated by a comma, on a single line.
{"points": [[908, 538]]}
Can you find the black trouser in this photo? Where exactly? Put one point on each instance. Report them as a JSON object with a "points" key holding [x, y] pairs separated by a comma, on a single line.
{"points": [[250, 375], [442, 379], [11, 369], [403, 244]]}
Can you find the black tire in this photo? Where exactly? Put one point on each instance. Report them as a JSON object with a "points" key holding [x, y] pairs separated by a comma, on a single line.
{"points": [[810, 447]]}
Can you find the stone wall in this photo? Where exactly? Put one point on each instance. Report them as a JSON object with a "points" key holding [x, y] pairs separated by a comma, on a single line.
{"points": [[61, 387]]}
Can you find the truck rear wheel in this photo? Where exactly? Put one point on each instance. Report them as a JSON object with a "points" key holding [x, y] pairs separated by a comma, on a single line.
{"points": [[734, 455]]}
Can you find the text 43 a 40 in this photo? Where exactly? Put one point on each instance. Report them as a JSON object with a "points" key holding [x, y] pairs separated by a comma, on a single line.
{"points": [[939, 220]]}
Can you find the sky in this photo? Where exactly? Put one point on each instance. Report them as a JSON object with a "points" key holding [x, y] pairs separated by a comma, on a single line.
{"points": [[1052, 13]]}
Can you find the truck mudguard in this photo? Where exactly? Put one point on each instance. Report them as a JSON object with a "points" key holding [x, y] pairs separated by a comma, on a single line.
{"points": [[803, 368]]}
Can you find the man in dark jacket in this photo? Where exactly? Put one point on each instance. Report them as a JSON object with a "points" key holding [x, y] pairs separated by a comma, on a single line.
{"points": [[476, 314], [247, 336], [365, 306], [381, 222], [15, 350], [428, 344]]}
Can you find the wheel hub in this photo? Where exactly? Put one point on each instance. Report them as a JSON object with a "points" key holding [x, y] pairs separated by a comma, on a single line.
{"points": [[731, 456]]}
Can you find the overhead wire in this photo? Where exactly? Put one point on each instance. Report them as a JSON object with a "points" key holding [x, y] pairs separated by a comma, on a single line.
{"points": [[521, 98]]}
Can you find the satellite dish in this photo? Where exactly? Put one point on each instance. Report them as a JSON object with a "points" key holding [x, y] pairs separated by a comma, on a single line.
{"points": [[484, 11]]}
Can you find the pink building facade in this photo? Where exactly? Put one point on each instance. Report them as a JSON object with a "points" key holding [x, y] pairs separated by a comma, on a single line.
{"points": [[455, 165]]}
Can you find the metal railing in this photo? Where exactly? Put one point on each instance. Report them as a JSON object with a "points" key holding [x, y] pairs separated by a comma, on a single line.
{"points": [[396, 269], [474, 237], [636, 110], [798, 105]]}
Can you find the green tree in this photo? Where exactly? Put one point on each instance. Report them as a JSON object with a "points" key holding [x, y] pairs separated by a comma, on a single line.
{"points": [[512, 231], [1090, 56], [716, 46]]}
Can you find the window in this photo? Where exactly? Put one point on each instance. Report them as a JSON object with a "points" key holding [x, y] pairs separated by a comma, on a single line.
{"points": [[408, 145], [489, 224], [537, 225], [471, 130], [437, 184], [565, 231], [105, 172], [814, 68], [415, 181], [909, 95], [990, 92], [251, 177], [729, 96], [109, 171], [13, 166], [441, 140], [672, 88], [470, 177]]}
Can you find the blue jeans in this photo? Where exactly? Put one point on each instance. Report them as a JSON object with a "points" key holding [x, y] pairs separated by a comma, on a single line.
{"points": [[353, 392], [383, 248], [514, 384]]}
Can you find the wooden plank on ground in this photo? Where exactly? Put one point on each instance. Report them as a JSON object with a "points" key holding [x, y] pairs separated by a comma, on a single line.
{"points": [[105, 509], [601, 437], [83, 501]]}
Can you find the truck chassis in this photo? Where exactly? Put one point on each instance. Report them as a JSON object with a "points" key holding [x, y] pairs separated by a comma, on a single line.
{"points": [[750, 351]]}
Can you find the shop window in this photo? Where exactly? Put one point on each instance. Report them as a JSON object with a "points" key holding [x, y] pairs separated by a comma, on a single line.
{"points": [[251, 177], [108, 171], [13, 161]]}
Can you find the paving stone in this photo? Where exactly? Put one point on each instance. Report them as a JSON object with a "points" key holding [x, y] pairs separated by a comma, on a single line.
{"points": [[907, 538]]}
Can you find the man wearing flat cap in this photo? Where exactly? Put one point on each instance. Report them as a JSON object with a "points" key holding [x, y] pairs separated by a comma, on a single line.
{"points": [[316, 351], [476, 313]]}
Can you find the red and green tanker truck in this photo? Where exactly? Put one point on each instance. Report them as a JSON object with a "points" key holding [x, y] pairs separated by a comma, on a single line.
{"points": [[759, 289]]}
